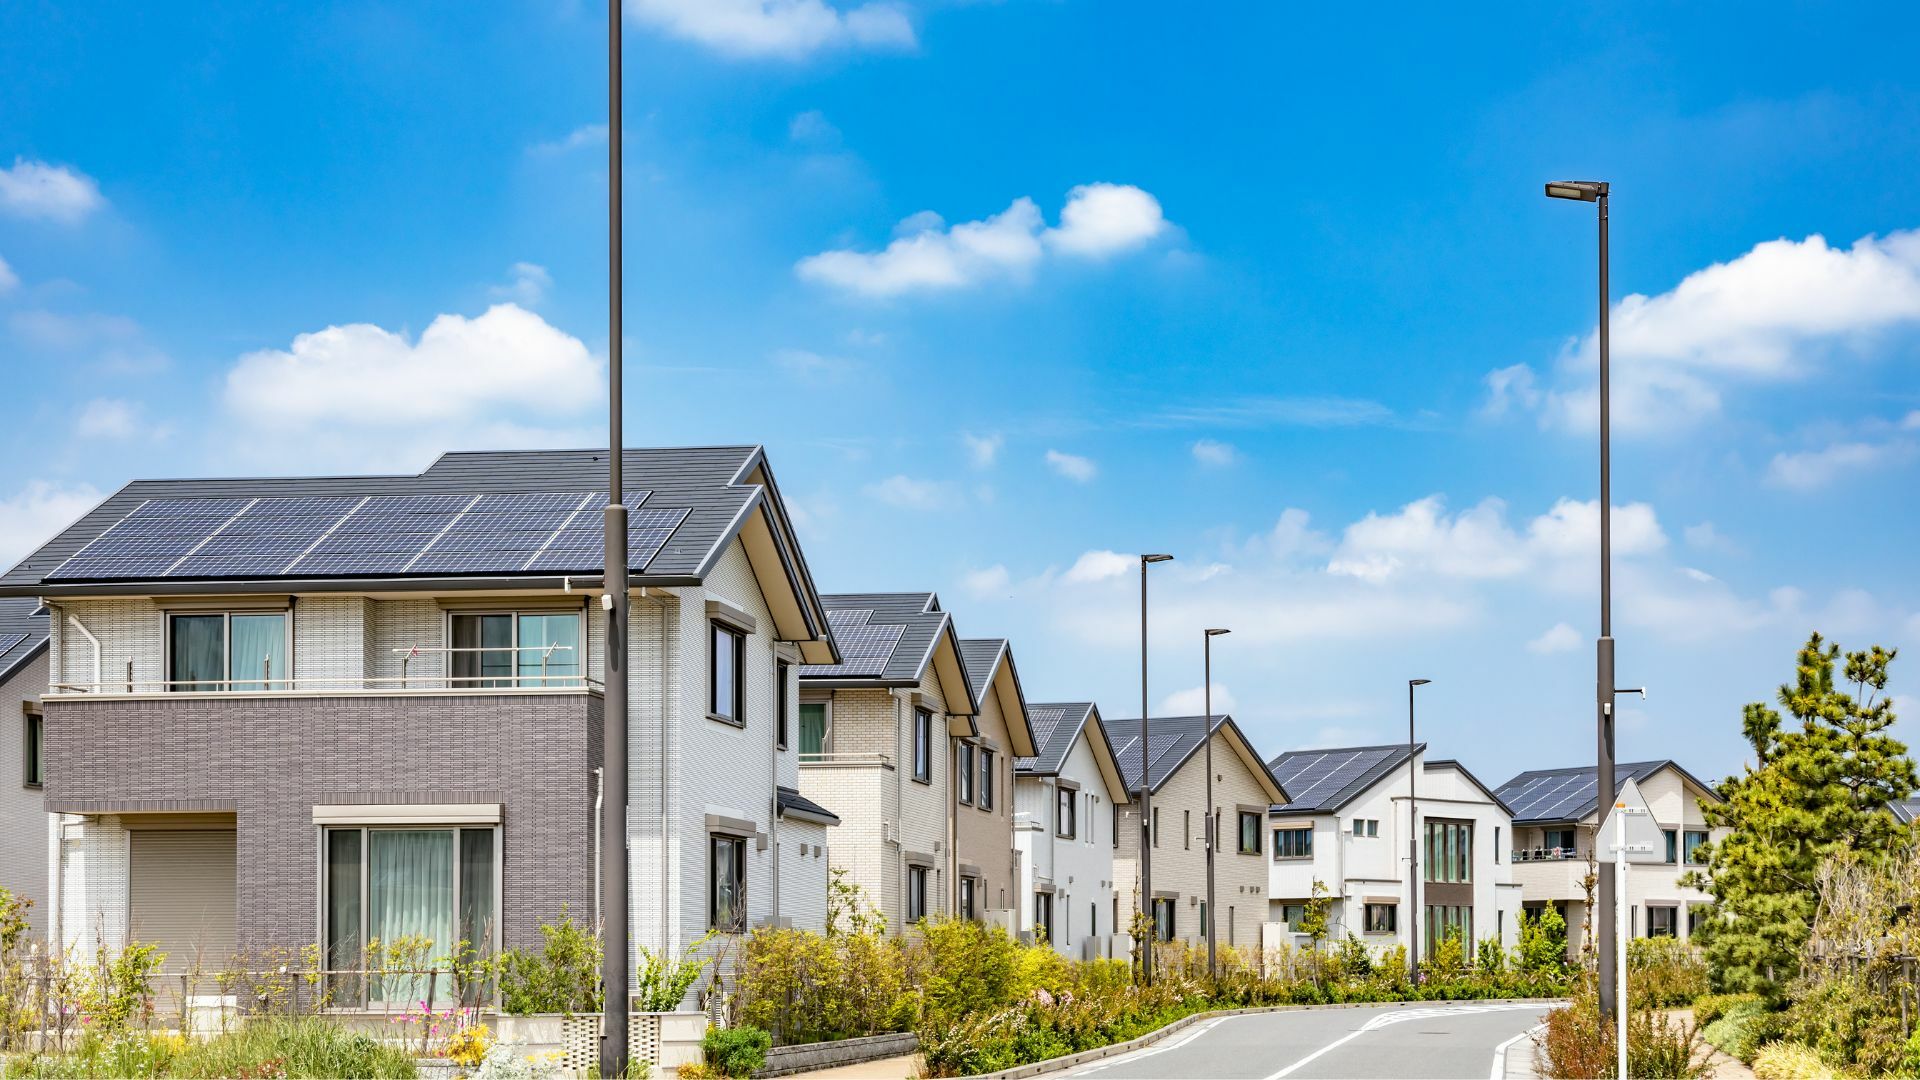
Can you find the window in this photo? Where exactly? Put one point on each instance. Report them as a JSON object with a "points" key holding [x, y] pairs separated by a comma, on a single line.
{"points": [[986, 779], [227, 651], [383, 884], [1064, 824], [1042, 916], [1449, 855], [966, 897], [1366, 826], [813, 728], [1292, 844], [1450, 920], [725, 699], [923, 746], [1156, 826], [35, 750], [727, 883], [916, 893], [1558, 840], [1663, 922], [1116, 825], [1249, 833], [1696, 914], [1496, 844], [1696, 841], [1163, 919], [506, 648], [1186, 828], [780, 670], [964, 769], [1381, 919], [1292, 913], [1672, 837]]}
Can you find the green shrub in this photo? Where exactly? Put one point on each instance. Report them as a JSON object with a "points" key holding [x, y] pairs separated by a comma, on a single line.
{"points": [[300, 1047], [1845, 1020], [806, 987], [1579, 1042], [1790, 1061], [1711, 1007], [736, 1051], [1664, 972], [563, 977], [1741, 1029], [1543, 942]]}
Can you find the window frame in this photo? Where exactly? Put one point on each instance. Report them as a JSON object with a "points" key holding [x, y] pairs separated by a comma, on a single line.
{"points": [[1688, 845], [738, 640], [1671, 837], [738, 846], [1066, 813], [1043, 926], [1390, 924], [963, 772], [33, 749], [1448, 851], [922, 748], [1672, 912], [1250, 825], [512, 681], [826, 728], [969, 898], [364, 881], [1281, 848], [225, 685], [1116, 826], [984, 792], [1173, 918], [783, 698], [916, 893]]}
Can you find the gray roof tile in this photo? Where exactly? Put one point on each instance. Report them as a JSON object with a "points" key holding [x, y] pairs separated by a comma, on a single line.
{"points": [[982, 658], [23, 634]]}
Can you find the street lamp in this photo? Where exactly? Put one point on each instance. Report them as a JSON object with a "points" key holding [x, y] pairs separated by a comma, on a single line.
{"points": [[1603, 688], [1212, 826], [614, 885], [1413, 840], [1146, 786]]}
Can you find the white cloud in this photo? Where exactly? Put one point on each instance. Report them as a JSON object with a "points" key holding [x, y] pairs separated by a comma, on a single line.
{"points": [[1214, 453], [786, 29], [1254, 412], [909, 493], [56, 193], [579, 138], [1193, 701], [1705, 537], [8, 279], [1810, 470], [108, 418], [1100, 566], [1772, 313], [927, 255], [1423, 538], [528, 285], [812, 128], [33, 515], [1911, 422], [1559, 638], [984, 450], [1572, 529], [990, 581], [1078, 469]]}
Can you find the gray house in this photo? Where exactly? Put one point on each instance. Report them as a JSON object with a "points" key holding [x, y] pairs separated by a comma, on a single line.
{"points": [[23, 819], [340, 709]]}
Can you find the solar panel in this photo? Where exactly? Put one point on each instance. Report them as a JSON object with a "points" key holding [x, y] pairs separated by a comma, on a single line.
{"points": [[8, 641], [150, 539]]}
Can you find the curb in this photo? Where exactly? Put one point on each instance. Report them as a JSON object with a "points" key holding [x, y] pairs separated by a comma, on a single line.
{"points": [[1071, 1061]]}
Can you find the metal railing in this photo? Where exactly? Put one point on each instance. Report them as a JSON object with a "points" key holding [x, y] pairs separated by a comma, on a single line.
{"points": [[1545, 854], [407, 680]]}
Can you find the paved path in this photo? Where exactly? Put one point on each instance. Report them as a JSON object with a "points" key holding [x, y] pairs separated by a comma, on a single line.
{"points": [[1396, 1042]]}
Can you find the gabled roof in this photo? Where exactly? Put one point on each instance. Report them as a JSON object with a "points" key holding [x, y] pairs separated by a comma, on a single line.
{"points": [[705, 496], [795, 805], [23, 635], [1905, 811], [1324, 781], [1055, 728], [1553, 796], [891, 640], [1172, 740], [1439, 764], [991, 671]]}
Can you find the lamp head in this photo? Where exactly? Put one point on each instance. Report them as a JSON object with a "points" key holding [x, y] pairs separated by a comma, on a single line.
{"points": [[1217, 632], [1418, 682], [1156, 558], [1581, 190]]}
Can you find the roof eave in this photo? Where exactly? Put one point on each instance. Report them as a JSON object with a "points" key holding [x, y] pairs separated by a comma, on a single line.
{"points": [[252, 586]]}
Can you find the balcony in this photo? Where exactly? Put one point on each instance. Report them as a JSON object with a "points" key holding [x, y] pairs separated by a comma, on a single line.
{"points": [[1545, 854], [421, 670]]}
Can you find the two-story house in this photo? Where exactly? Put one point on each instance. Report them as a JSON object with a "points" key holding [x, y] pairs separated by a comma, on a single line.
{"points": [[347, 709], [24, 842], [880, 732], [1555, 815], [1172, 770], [983, 770], [1064, 800], [1347, 829]]}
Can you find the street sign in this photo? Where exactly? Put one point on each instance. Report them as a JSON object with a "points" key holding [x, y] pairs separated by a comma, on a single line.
{"points": [[1645, 842]]}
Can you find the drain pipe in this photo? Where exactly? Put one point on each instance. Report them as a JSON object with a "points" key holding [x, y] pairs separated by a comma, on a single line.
{"points": [[95, 643], [599, 799]]}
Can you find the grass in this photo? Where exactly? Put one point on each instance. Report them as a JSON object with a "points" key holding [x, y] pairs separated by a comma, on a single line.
{"points": [[296, 1048]]}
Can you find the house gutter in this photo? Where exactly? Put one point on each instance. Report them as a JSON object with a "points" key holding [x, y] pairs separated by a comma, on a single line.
{"points": [[91, 640]]}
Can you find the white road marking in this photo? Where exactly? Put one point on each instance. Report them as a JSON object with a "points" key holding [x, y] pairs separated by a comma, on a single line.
{"points": [[1500, 1052], [1403, 1015], [1151, 1051]]}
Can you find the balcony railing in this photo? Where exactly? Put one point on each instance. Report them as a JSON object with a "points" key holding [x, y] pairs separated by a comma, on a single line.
{"points": [[408, 681], [882, 760], [1545, 854]]}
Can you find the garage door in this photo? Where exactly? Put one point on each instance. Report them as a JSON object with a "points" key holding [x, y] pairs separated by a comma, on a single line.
{"points": [[180, 892]]}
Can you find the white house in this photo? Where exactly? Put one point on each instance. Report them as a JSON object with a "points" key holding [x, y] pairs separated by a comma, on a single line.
{"points": [[1347, 827], [1555, 814], [24, 837], [1063, 829]]}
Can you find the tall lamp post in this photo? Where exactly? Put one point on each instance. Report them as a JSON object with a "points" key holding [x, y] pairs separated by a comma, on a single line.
{"points": [[1413, 840], [1212, 826], [1596, 192], [615, 927], [1146, 786]]}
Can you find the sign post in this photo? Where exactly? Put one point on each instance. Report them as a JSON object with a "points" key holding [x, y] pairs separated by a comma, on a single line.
{"points": [[1636, 839]]}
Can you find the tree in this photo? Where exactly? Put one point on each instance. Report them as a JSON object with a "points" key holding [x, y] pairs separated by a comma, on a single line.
{"points": [[1813, 789], [1313, 921]]}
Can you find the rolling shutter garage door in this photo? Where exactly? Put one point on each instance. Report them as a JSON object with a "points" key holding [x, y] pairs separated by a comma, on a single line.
{"points": [[180, 892]]}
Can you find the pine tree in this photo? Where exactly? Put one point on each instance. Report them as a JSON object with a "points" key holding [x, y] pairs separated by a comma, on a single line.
{"points": [[1814, 789]]}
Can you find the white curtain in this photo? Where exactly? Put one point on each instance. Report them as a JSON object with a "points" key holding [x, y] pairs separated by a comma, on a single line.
{"points": [[259, 651], [410, 894]]}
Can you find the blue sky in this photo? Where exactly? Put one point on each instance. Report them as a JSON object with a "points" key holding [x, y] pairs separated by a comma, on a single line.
{"points": [[1007, 288]]}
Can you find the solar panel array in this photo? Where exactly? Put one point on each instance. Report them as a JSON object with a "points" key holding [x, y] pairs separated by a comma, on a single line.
{"points": [[1559, 795], [372, 535], [1167, 744], [865, 647], [1316, 778], [8, 641], [1047, 721]]}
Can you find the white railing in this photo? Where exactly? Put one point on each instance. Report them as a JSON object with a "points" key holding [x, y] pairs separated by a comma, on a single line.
{"points": [[435, 682], [1544, 854], [884, 760]]}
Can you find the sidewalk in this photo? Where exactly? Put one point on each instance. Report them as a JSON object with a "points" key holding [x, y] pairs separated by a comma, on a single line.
{"points": [[893, 1068]]}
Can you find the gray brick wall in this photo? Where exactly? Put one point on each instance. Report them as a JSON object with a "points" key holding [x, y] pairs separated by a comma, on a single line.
{"points": [[271, 760]]}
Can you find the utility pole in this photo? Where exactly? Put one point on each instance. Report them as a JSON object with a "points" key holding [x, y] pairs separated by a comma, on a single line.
{"points": [[1413, 840], [1146, 789], [1212, 827], [615, 928]]}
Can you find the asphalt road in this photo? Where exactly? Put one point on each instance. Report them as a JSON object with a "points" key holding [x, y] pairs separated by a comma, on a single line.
{"points": [[1400, 1042]]}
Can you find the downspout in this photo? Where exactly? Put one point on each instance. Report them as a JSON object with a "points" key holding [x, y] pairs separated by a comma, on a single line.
{"points": [[953, 826], [773, 804], [93, 641], [599, 799], [666, 890]]}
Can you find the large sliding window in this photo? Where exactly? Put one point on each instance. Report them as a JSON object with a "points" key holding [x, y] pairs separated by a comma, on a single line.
{"points": [[437, 889], [727, 884], [516, 648], [1450, 920], [1449, 856], [813, 729], [227, 650]]}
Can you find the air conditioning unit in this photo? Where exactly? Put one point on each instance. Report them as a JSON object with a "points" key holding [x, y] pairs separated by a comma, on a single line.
{"points": [[890, 831]]}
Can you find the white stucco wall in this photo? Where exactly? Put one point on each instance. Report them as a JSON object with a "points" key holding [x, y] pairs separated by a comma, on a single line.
{"points": [[1079, 870]]}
